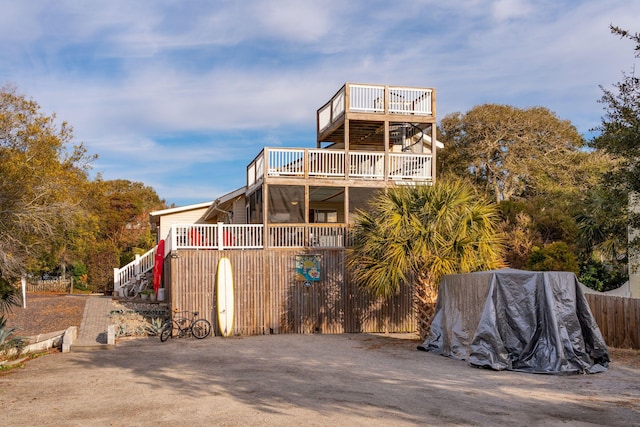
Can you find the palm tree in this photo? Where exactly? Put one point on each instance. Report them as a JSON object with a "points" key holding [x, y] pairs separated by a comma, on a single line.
{"points": [[8, 298], [415, 235]]}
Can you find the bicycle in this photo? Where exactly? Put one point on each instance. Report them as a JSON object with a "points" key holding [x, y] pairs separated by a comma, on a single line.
{"points": [[132, 289], [184, 326]]}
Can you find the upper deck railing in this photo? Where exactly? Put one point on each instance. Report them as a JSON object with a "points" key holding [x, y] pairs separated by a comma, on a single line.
{"points": [[376, 99], [326, 163]]}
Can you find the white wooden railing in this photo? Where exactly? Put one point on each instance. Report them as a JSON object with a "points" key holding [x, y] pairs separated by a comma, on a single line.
{"points": [[234, 237], [326, 163], [251, 236], [140, 265], [216, 236], [366, 165], [373, 99], [409, 166], [286, 162]]}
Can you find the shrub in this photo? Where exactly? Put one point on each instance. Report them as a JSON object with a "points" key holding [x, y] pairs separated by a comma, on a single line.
{"points": [[555, 256], [601, 277]]}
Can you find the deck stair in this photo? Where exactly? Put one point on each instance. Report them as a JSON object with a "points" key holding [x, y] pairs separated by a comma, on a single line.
{"points": [[135, 271]]}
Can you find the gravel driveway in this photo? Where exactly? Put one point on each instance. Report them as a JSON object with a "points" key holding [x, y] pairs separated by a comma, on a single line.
{"points": [[311, 380]]}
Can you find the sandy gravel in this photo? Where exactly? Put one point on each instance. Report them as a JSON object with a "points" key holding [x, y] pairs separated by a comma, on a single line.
{"points": [[311, 380]]}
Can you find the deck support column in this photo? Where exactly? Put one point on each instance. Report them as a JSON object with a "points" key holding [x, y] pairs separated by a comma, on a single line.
{"points": [[347, 189], [347, 160], [434, 144], [387, 151], [265, 215]]}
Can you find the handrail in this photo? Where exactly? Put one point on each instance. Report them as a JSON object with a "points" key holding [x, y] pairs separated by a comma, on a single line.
{"points": [[375, 99], [140, 265], [410, 167], [223, 236], [329, 163]]}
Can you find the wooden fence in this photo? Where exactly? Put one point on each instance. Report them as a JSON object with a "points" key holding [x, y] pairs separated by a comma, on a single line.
{"points": [[269, 299], [55, 285], [618, 319]]}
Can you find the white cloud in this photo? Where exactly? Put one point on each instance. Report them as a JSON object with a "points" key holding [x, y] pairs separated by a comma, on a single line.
{"points": [[504, 10], [169, 81]]}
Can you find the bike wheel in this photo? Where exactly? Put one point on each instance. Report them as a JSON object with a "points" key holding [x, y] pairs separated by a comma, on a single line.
{"points": [[166, 333], [201, 328], [130, 291]]}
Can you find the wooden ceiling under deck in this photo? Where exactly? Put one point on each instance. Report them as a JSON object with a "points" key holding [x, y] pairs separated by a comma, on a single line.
{"points": [[363, 135]]}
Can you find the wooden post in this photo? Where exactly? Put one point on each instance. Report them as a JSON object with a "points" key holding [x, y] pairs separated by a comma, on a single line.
{"points": [[347, 189], [433, 153], [387, 151], [347, 108], [265, 216], [23, 281], [220, 236], [433, 136], [116, 281]]}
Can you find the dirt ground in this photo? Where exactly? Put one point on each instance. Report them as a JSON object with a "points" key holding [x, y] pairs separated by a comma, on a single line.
{"points": [[314, 380], [46, 313]]}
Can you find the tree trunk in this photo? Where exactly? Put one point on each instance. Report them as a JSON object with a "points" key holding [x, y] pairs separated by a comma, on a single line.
{"points": [[425, 296]]}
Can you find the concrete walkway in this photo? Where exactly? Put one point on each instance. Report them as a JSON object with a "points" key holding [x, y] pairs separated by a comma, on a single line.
{"points": [[95, 333]]}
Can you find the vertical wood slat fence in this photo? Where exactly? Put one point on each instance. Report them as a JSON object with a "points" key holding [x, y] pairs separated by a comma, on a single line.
{"points": [[618, 319], [268, 299]]}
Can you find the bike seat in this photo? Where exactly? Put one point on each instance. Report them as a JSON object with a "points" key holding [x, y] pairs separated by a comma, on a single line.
{"points": [[195, 313]]}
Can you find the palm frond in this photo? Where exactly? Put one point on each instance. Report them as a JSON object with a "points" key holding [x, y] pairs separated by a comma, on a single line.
{"points": [[425, 231]]}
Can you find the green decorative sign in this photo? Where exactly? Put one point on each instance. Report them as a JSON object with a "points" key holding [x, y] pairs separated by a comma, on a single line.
{"points": [[308, 268]]}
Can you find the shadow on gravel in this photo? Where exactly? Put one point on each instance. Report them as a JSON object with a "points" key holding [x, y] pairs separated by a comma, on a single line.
{"points": [[366, 376]]}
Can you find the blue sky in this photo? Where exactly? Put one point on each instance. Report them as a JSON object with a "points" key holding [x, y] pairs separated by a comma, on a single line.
{"points": [[182, 95]]}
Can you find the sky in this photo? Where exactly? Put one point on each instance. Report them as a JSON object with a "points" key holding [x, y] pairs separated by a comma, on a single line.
{"points": [[182, 95]]}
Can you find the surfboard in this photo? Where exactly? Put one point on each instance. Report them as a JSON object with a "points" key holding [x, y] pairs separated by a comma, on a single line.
{"points": [[224, 296], [157, 266]]}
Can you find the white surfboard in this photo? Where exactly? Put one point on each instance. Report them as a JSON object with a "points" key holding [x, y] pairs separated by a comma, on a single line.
{"points": [[224, 296]]}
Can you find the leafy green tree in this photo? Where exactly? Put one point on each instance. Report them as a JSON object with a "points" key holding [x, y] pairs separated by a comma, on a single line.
{"points": [[510, 152], [51, 215], [553, 257], [518, 225], [620, 137], [603, 226], [415, 235], [40, 178], [122, 208], [620, 126], [533, 163], [600, 276]]}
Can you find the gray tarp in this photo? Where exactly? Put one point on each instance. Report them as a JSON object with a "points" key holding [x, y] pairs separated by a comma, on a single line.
{"points": [[528, 321]]}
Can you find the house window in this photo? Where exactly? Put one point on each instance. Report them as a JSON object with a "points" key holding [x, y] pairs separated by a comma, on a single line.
{"points": [[324, 216]]}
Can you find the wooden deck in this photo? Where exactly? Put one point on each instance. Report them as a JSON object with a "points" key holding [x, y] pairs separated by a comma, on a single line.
{"points": [[368, 107], [337, 167]]}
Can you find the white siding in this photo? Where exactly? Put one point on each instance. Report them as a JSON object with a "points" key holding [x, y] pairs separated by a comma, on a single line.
{"points": [[193, 216]]}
